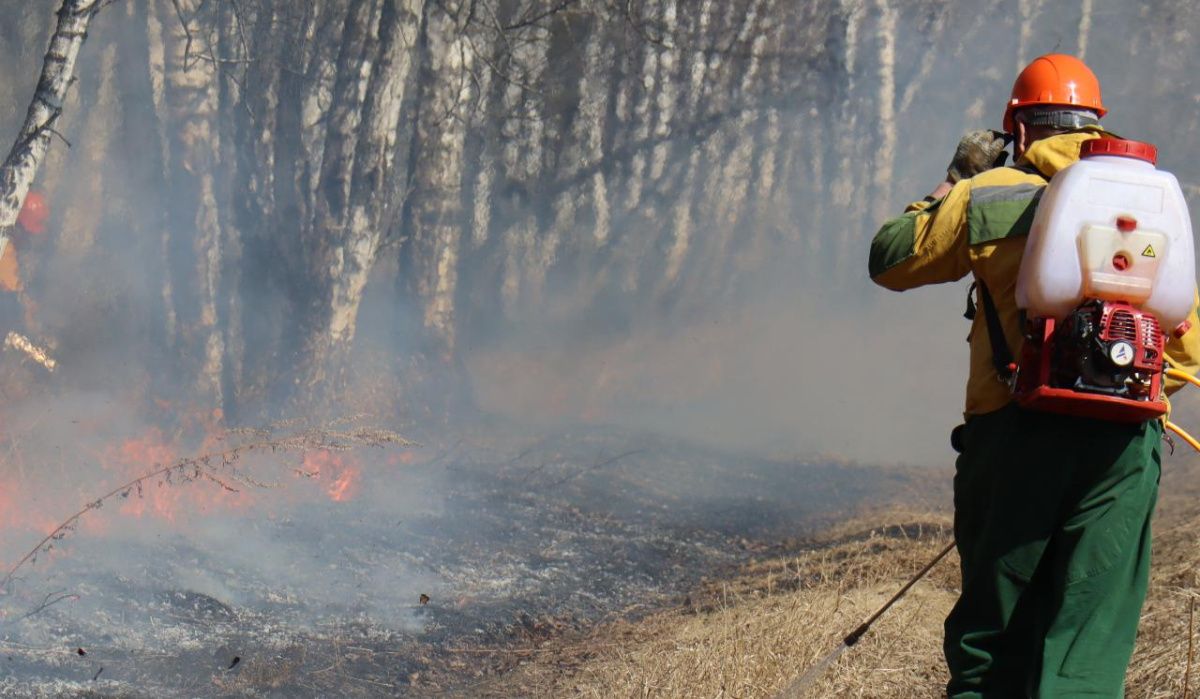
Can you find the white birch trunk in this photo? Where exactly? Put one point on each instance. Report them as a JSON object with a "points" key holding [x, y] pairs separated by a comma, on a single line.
{"points": [[190, 96], [681, 220], [1085, 27], [437, 178], [885, 156], [80, 221], [373, 198], [642, 116], [1029, 10], [540, 245], [522, 163], [726, 187], [21, 165]]}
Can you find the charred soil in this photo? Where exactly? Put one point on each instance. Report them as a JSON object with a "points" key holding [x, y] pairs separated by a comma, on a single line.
{"points": [[442, 568]]}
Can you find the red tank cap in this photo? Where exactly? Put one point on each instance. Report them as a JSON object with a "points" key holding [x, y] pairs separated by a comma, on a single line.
{"points": [[1120, 148], [1126, 223]]}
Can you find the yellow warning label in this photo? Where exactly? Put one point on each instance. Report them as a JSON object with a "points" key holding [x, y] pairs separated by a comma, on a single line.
{"points": [[1149, 251]]}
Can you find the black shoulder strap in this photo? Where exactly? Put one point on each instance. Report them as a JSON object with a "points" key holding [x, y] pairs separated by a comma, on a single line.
{"points": [[1029, 169], [1002, 357]]}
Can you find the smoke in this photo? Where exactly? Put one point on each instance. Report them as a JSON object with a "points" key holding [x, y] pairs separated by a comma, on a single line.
{"points": [[673, 371], [811, 359], [795, 377]]}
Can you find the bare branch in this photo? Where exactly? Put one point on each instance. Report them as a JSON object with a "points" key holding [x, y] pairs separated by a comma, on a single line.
{"points": [[51, 599], [534, 19]]}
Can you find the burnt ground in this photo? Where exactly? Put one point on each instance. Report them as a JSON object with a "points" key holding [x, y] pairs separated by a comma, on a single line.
{"points": [[417, 585]]}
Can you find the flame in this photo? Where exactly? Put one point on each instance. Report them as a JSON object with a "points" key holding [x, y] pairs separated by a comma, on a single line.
{"points": [[35, 500], [338, 472], [164, 497], [20, 507], [138, 455], [343, 488]]}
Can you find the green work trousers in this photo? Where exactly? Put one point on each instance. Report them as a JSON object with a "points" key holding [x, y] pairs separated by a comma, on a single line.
{"points": [[1052, 519]]}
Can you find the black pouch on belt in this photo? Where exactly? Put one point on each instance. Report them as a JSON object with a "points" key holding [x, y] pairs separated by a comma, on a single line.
{"points": [[956, 438]]}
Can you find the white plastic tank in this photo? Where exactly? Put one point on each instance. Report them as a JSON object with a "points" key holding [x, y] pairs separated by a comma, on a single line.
{"points": [[1110, 226]]}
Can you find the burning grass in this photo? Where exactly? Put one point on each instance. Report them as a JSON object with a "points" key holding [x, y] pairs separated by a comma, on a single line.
{"points": [[227, 465]]}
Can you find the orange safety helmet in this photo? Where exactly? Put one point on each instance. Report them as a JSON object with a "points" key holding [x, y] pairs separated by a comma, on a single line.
{"points": [[34, 213], [1055, 79]]}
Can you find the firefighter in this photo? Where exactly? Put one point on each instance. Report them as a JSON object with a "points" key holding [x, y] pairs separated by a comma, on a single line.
{"points": [[1051, 512], [31, 223]]}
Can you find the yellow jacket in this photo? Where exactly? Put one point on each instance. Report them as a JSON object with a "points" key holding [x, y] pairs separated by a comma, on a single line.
{"points": [[979, 228]]}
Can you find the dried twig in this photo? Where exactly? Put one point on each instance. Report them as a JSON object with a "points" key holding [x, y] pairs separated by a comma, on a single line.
{"points": [[533, 18], [51, 599], [595, 466]]}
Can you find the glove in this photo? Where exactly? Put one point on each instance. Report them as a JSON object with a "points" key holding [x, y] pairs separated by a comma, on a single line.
{"points": [[977, 152]]}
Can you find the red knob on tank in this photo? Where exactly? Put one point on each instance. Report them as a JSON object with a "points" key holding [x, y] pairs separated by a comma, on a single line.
{"points": [[1126, 223]]}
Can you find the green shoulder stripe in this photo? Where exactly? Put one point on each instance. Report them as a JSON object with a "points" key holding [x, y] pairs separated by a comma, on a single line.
{"points": [[998, 212], [893, 243]]}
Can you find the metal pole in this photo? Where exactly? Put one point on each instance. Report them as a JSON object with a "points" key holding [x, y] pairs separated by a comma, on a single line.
{"points": [[797, 688]]}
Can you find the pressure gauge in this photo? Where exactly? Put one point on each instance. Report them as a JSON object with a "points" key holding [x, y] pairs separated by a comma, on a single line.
{"points": [[1121, 353]]}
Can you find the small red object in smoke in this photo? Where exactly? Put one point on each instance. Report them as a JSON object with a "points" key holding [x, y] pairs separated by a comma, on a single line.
{"points": [[34, 213]]}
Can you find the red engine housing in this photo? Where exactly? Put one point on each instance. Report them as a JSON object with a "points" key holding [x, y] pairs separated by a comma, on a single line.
{"points": [[1104, 360]]}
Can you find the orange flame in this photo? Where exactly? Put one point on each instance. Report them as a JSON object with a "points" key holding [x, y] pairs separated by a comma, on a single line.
{"points": [[20, 509], [163, 497], [343, 488], [338, 471]]}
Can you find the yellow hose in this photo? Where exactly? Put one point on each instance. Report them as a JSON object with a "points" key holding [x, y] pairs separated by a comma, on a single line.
{"points": [[1183, 435], [1183, 376], [1176, 373]]}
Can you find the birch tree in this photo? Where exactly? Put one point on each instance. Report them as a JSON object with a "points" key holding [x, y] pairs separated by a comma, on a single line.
{"points": [[488, 166], [58, 69]]}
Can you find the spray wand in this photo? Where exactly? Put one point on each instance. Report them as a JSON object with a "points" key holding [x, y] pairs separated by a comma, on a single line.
{"points": [[797, 688]]}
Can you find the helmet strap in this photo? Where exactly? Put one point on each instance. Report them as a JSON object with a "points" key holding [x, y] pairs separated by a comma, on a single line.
{"points": [[1061, 119]]}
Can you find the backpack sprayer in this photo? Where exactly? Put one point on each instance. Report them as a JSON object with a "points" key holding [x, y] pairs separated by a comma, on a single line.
{"points": [[1108, 264], [1108, 270]]}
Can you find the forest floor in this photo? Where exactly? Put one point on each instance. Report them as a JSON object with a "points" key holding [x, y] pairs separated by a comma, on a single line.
{"points": [[591, 562], [445, 571], [755, 633]]}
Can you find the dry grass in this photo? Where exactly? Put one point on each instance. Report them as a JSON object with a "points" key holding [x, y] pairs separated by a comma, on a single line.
{"points": [[752, 636]]}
